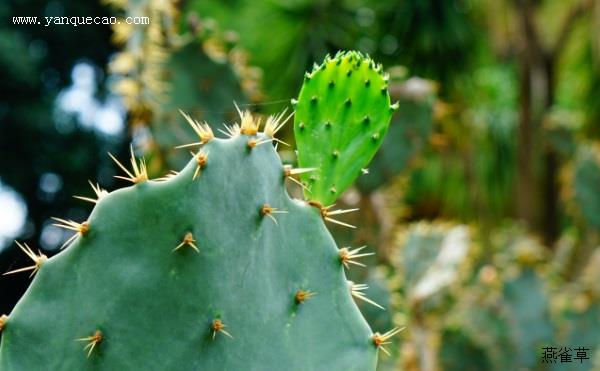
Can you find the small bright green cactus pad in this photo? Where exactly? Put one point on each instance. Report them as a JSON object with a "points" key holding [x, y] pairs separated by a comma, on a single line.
{"points": [[342, 114], [160, 267]]}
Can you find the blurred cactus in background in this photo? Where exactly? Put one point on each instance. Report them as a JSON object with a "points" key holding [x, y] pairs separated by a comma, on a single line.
{"points": [[166, 66], [582, 185]]}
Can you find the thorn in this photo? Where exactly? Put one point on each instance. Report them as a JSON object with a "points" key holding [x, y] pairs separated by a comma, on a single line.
{"points": [[381, 340], [218, 326], [364, 171], [313, 99], [375, 136], [335, 153], [357, 291], [302, 295], [188, 240], [97, 190], [81, 229], [307, 76], [331, 84], [395, 106], [294, 102], [348, 257], [38, 260], [92, 341], [300, 184], [384, 89], [201, 160], [288, 173], [349, 73], [301, 125], [203, 131], [333, 190], [340, 223], [172, 174], [267, 210], [327, 124], [274, 123], [366, 120], [255, 143], [231, 131], [326, 214], [348, 102], [339, 212], [3, 319], [140, 173], [367, 82], [248, 125]]}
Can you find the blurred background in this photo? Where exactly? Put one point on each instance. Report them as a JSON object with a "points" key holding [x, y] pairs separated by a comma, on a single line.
{"points": [[482, 206]]}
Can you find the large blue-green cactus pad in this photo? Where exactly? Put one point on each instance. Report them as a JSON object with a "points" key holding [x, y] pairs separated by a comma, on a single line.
{"points": [[138, 296], [342, 114]]}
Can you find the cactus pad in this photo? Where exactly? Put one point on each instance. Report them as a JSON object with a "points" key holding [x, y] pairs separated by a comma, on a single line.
{"points": [[342, 114], [586, 182], [214, 268]]}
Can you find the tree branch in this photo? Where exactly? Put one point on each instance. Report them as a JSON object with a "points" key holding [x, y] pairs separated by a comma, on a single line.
{"points": [[533, 45]]}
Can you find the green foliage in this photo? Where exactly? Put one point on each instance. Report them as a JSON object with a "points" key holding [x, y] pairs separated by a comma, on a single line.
{"points": [[469, 171], [342, 115], [431, 31], [305, 32], [133, 275]]}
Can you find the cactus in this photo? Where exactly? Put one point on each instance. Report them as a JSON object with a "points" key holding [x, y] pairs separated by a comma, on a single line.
{"points": [[459, 352], [430, 257], [214, 268], [583, 182], [427, 261], [342, 114], [578, 307], [495, 294], [529, 317]]}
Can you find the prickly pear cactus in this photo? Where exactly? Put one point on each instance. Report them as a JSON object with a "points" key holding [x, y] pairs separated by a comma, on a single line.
{"points": [[430, 257], [584, 184], [342, 115], [212, 268]]}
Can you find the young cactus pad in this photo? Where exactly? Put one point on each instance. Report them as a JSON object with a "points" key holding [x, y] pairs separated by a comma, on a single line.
{"points": [[215, 268], [342, 114]]}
